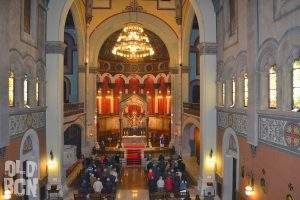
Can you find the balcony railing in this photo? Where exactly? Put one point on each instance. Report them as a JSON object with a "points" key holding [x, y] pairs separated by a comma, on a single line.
{"points": [[73, 109], [191, 108]]}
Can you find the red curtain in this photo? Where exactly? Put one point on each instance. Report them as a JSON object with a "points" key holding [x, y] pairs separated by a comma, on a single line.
{"points": [[149, 90], [118, 90]]}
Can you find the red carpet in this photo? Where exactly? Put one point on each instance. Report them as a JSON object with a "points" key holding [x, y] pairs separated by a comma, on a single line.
{"points": [[134, 157]]}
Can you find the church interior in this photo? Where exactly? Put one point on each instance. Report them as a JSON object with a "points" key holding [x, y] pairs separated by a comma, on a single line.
{"points": [[150, 99]]}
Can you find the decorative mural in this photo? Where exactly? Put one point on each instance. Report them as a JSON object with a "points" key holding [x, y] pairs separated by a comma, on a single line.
{"points": [[20, 123], [237, 121], [279, 132]]}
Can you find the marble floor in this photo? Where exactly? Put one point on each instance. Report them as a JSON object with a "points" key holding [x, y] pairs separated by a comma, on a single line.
{"points": [[133, 185]]}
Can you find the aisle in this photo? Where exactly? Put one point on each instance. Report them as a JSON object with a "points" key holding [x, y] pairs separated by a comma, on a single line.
{"points": [[133, 184]]}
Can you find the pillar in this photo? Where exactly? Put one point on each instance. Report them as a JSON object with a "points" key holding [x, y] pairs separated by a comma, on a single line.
{"points": [[185, 83], [156, 101], [208, 117], [55, 110], [147, 132]]}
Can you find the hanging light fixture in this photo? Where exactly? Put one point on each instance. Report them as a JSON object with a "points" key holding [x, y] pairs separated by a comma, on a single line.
{"points": [[133, 43]]}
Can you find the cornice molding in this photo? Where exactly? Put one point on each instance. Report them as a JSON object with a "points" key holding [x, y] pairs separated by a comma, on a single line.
{"points": [[55, 47]]}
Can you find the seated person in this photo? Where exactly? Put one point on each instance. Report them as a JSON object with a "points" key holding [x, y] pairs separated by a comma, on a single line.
{"points": [[160, 183], [98, 186]]}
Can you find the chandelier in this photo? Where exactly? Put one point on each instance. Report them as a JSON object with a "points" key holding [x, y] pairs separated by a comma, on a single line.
{"points": [[133, 43]]}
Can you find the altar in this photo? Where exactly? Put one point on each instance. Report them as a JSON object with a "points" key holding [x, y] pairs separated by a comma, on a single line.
{"points": [[134, 120]]}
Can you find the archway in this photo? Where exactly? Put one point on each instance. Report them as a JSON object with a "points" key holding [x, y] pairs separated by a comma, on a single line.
{"points": [[191, 141], [72, 136], [231, 156], [30, 152]]}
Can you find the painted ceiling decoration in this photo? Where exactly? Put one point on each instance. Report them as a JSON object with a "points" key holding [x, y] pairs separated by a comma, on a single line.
{"points": [[157, 63]]}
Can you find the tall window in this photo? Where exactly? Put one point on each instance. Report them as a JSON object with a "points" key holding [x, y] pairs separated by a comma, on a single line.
{"points": [[232, 16], [37, 91], [296, 86], [272, 87], [11, 89], [233, 91], [27, 16], [25, 91], [223, 94], [246, 94]]}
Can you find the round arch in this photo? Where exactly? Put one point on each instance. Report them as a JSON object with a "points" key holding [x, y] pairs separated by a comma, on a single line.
{"points": [[150, 22], [231, 159], [30, 152]]}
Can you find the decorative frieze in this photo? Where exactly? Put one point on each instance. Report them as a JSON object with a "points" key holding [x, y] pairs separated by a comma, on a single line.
{"points": [[237, 121], [20, 123], [207, 48]]}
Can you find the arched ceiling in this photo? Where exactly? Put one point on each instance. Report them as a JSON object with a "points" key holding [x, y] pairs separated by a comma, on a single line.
{"points": [[104, 9]]}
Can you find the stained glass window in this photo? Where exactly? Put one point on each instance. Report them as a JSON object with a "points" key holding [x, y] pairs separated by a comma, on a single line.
{"points": [[233, 91], [223, 94], [11, 89], [25, 91], [272, 87], [37, 91], [296, 85], [27, 15], [246, 94]]}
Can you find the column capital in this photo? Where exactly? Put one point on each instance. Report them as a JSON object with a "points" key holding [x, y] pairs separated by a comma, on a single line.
{"points": [[55, 47], [93, 70], [81, 68], [185, 69], [174, 71], [207, 48]]}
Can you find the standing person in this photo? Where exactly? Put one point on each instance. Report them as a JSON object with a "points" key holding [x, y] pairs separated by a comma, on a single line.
{"points": [[102, 146], [160, 183], [161, 141]]}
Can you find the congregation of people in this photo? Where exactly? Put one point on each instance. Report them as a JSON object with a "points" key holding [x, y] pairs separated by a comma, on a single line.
{"points": [[100, 175], [167, 175]]}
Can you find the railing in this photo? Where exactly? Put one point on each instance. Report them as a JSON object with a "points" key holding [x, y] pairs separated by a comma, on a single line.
{"points": [[73, 109], [191, 108]]}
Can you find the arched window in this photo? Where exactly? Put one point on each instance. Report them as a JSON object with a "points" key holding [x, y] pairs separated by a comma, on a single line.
{"points": [[25, 91], [27, 16], [246, 94], [223, 94], [37, 91], [11, 89], [296, 86], [272, 87], [233, 91]]}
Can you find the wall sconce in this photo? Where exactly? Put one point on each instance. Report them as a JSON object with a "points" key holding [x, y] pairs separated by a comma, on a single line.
{"points": [[7, 194], [211, 161], [249, 189], [51, 162]]}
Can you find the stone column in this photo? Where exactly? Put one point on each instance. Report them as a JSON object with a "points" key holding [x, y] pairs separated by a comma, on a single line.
{"points": [[185, 83], [156, 101], [91, 91], [120, 133], [252, 52], [208, 116], [148, 143], [55, 110], [176, 108]]}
